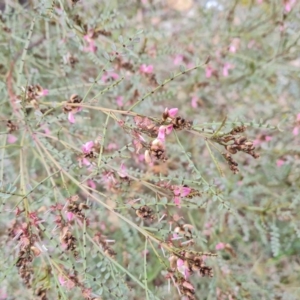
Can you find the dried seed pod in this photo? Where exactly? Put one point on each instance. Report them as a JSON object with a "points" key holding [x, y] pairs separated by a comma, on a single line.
{"points": [[11, 126], [173, 262], [145, 212], [231, 149], [240, 140], [110, 252]]}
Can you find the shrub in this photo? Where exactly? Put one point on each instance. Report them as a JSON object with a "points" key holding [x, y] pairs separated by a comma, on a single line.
{"points": [[149, 144]]}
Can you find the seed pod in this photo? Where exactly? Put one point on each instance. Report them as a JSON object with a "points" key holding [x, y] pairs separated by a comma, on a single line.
{"points": [[240, 140], [230, 149]]}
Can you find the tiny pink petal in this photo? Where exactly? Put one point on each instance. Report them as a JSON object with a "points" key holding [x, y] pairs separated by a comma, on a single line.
{"points": [[289, 5], [226, 68], [123, 172], [44, 92], [146, 69], [87, 147], [47, 130], [180, 262], [91, 184], [194, 102], [112, 146], [178, 60], [61, 280], [185, 191], [86, 162], [107, 76], [173, 112], [177, 200], [220, 246], [298, 117], [119, 100], [71, 118], [70, 216], [11, 139], [268, 138], [256, 142], [175, 235], [208, 71], [232, 48], [296, 130], [280, 162], [169, 129], [176, 191], [161, 133]]}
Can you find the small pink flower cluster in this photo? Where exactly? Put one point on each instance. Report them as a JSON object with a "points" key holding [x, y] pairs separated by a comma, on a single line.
{"points": [[86, 149], [157, 147], [180, 192], [220, 246], [109, 75], [91, 46], [146, 69], [210, 71]]}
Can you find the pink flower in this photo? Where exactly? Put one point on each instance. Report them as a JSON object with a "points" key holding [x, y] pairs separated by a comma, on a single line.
{"points": [[226, 68], [71, 114], [296, 128], [169, 129], [280, 162], [71, 118], [11, 139], [220, 246], [259, 1], [235, 43], [161, 133], [141, 157], [46, 129], [172, 112], [194, 102], [178, 60], [61, 280], [146, 69], [182, 191], [87, 147], [91, 184], [112, 146], [288, 5], [208, 71], [182, 268], [109, 75], [177, 200], [91, 43], [85, 162], [43, 92], [163, 130], [123, 172], [119, 100], [268, 138], [66, 282], [70, 216]]}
